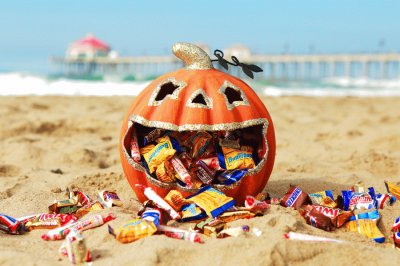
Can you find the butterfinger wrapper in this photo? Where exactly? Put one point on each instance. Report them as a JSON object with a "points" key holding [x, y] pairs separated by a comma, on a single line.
{"points": [[295, 198], [237, 159], [133, 230], [175, 199], [366, 227], [214, 202], [191, 212], [161, 152]]}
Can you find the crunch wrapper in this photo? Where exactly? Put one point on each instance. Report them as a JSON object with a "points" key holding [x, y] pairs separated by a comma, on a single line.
{"points": [[212, 201], [237, 159], [161, 152], [133, 230]]}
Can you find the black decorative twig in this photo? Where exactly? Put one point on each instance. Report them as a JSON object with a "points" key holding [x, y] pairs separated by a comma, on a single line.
{"points": [[247, 69]]}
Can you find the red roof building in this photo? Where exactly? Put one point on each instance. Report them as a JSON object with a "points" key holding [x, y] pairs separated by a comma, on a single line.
{"points": [[88, 47]]}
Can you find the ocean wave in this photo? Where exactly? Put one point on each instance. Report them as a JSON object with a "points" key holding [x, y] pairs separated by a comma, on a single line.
{"points": [[28, 84]]}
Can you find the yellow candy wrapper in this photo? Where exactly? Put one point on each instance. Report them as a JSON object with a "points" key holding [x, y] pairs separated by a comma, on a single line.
{"points": [[366, 227], [133, 230], [323, 198], [146, 149], [237, 159], [212, 201], [393, 189], [161, 152]]}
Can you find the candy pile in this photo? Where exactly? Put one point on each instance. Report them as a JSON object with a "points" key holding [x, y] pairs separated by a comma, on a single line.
{"points": [[195, 159], [357, 209], [209, 210], [63, 220]]}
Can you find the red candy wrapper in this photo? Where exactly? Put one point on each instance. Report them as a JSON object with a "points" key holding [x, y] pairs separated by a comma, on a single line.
{"points": [[10, 225], [135, 154], [396, 239], [181, 172]]}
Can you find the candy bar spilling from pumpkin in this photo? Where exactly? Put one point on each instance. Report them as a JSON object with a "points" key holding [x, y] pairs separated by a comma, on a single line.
{"points": [[210, 211], [195, 159]]}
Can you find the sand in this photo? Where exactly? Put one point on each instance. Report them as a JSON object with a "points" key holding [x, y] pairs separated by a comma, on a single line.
{"points": [[322, 143]]}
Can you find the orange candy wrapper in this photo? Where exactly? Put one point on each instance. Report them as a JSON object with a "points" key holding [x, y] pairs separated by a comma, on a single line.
{"points": [[133, 230], [175, 199]]}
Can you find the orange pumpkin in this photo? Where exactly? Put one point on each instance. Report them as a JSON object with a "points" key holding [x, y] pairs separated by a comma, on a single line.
{"points": [[199, 97]]}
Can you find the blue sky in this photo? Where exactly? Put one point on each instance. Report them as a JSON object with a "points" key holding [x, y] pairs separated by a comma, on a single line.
{"points": [[31, 31]]}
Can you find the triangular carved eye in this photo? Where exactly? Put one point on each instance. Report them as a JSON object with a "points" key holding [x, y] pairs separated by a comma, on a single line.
{"points": [[199, 99], [169, 88], [233, 95]]}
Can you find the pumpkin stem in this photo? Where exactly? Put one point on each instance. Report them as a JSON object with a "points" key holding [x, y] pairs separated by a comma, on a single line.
{"points": [[193, 56]]}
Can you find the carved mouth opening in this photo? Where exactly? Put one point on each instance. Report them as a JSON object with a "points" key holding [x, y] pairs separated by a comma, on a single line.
{"points": [[189, 157]]}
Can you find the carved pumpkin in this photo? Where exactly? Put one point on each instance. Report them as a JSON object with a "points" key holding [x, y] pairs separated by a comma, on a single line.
{"points": [[199, 97]]}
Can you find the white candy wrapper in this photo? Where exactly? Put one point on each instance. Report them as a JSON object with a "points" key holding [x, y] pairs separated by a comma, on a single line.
{"points": [[75, 248]]}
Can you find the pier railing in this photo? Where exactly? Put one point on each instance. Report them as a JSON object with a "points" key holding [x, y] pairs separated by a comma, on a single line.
{"points": [[276, 66]]}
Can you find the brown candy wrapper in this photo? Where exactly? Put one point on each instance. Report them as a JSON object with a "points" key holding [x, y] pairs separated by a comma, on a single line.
{"points": [[210, 227], [316, 219], [48, 224], [230, 216], [165, 172], [295, 198], [63, 206], [153, 135]]}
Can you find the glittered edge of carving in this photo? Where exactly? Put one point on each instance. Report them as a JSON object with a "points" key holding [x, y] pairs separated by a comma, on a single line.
{"points": [[174, 95], [208, 100], [230, 106], [216, 127]]}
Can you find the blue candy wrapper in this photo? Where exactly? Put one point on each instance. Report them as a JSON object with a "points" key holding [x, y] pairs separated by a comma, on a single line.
{"points": [[230, 177]]}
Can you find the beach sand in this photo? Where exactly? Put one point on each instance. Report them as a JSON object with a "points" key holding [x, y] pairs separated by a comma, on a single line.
{"points": [[322, 143]]}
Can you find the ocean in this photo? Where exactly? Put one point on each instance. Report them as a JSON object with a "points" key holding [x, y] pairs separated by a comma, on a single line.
{"points": [[19, 84]]}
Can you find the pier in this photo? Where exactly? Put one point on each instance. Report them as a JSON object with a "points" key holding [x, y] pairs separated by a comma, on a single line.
{"points": [[277, 67]]}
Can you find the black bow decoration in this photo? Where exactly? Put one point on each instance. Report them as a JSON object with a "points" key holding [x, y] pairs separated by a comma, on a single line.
{"points": [[246, 68]]}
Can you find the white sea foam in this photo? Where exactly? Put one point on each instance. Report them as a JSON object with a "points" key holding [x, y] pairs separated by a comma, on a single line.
{"points": [[27, 84]]}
